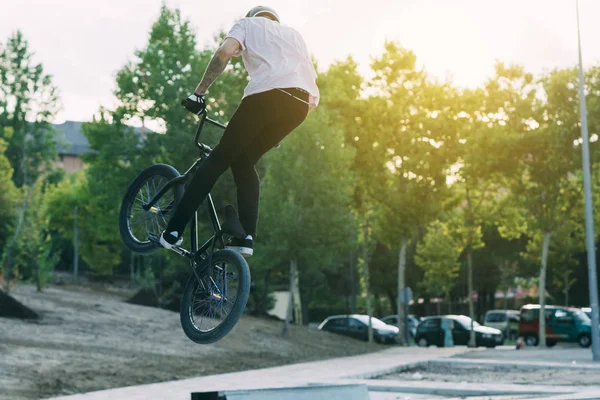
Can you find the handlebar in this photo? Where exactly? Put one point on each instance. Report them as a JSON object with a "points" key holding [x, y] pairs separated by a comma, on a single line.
{"points": [[205, 148]]}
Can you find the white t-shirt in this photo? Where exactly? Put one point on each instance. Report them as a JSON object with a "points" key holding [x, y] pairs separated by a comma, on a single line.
{"points": [[275, 56]]}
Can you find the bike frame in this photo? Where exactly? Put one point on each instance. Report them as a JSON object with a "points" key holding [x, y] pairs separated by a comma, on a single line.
{"points": [[205, 150]]}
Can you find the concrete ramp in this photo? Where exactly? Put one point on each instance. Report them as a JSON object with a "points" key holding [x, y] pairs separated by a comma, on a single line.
{"points": [[311, 392]]}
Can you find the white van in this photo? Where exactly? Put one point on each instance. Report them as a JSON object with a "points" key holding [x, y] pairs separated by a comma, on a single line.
{"points": [[505, 320]]}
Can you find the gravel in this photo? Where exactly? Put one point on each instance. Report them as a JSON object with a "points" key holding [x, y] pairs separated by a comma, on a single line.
{"points": [[488, 374]]}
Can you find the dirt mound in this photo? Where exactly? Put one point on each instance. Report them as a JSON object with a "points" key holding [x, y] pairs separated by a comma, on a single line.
{"points": [[11, 308], [146, 297]]}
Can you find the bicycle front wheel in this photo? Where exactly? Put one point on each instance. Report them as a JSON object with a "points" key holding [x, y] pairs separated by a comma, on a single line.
{"points": [[211, 306], [140, 229]]}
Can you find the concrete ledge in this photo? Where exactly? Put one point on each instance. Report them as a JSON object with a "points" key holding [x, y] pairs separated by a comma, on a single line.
{"points": [[305, 392]]}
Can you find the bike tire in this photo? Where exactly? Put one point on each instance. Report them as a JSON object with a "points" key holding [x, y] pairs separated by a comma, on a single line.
{"points": [[158, 170], [187, 304]]}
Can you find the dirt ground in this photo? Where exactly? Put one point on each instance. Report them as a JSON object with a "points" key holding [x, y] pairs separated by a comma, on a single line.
{"points": [[90, 340], [486, 374]]}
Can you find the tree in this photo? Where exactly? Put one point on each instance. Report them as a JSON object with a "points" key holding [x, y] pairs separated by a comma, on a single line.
{"points": [[35, 255], [61, 202], [346, 110], [305, 198], [566, 243], [438, 255], [405, 128], [28, 101], [8, 195], [544, 185], [476, 177], [8, 199], [116, 158], [500, 260], [165, 71]]}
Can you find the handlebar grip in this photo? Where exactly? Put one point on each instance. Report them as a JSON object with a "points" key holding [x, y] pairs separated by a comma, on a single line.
{"points": [[183, 102]]}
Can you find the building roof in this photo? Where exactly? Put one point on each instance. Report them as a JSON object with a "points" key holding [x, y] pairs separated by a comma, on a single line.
{"points": [[74, 141]]}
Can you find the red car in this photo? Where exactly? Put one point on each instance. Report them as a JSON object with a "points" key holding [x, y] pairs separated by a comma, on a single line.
{"points": [[563, 324]]}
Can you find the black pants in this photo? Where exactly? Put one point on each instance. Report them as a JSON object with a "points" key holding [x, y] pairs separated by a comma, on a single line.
{"points": [[261, 121]]}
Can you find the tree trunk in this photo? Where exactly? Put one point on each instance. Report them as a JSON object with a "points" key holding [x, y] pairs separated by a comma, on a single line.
{"points": [[566, 290], [472, 342], [352, 262], [265, 296], [290, 309], [449, 303], [296, 293], [75, 248], [366, 276], [542, 289], [37, 272], [403, 340]]}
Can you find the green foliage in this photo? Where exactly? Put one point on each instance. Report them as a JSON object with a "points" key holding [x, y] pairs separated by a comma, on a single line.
{"points": [[544, 184], [35, 256], [8, 196], [100, 254], [114, 162], [153, 279], [307, 182], [404, 133], [28, 101], [306, 195], [167, 70], [48, 259], [438, 255]]}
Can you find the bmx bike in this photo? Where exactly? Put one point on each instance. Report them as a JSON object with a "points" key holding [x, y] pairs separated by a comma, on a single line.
{"points": [[217, 290]]}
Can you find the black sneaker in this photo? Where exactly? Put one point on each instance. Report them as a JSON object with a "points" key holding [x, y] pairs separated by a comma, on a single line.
{"points": [[168, 240], [242, 246]]}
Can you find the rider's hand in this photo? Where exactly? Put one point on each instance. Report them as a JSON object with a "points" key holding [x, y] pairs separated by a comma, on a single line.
{"points": [[195, 104]]}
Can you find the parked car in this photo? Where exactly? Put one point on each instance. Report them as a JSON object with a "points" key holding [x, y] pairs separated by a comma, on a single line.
{"points": [[429, 332], [563, 324], [413, 322], [505, 320], [588, 311], [356, 326]]}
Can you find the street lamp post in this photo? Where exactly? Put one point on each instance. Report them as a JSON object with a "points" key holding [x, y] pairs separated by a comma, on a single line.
{"points": [[589, 218]]}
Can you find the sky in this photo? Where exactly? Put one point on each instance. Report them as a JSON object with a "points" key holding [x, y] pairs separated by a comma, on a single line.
{"points": [[83, 43]]}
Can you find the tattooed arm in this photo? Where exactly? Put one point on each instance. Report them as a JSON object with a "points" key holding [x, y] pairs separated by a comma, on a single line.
{"points": [[230, 47]]}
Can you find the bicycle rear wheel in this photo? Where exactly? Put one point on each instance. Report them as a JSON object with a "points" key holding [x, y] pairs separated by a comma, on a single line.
{"points": [[211, 307], [141, 229]]}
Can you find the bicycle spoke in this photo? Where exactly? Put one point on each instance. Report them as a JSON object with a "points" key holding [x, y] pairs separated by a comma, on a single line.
{"points": [[140, 220], [143, 223], [213, 298]]}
